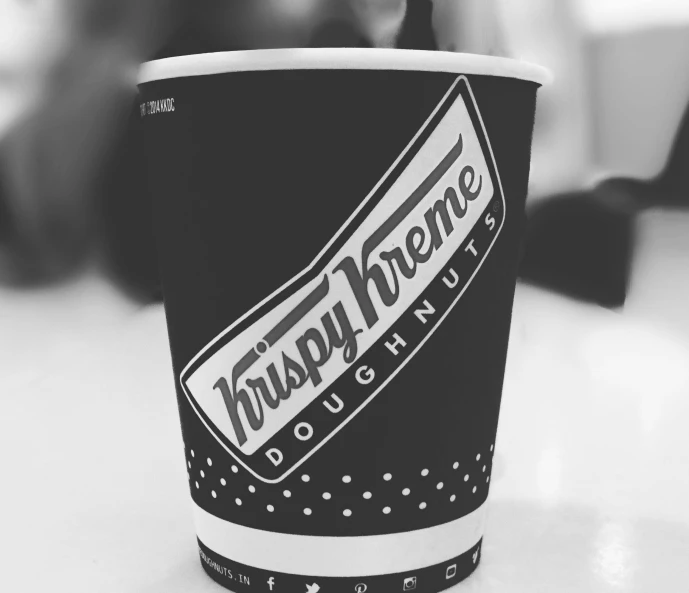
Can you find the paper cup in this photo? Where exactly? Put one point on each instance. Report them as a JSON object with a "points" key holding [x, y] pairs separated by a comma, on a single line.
{"points": [[339, 232]]}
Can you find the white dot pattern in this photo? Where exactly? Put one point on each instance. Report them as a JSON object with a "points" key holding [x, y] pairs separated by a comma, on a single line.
{"points": [[442, 471]]}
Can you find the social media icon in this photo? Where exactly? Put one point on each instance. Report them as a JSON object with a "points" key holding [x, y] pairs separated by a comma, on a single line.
{"points": [[361, 588], [271, 583], [409, 584], [312, 588], [451, 572]]}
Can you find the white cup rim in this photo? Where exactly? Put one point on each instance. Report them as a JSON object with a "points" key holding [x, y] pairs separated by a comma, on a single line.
{"points": [[340, 59]]}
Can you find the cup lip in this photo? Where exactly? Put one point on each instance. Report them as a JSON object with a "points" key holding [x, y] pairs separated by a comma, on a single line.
{"points": [[340, 59]]}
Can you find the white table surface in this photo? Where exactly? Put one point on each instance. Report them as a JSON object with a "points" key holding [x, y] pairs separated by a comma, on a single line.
{"points": [[591, 479]]}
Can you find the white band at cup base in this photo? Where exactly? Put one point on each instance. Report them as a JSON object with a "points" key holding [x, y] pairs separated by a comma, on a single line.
{"points": [[323, 556]]}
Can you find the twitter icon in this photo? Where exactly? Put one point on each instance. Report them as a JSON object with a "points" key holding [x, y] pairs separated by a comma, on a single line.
{"points": [[312, 588]]}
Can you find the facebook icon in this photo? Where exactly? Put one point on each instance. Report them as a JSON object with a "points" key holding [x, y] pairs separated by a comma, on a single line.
{"points": [[271, 582]]}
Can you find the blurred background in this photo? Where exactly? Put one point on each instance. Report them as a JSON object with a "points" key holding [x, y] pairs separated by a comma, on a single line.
{"points": [[592, 430], [609, 196], [70, 188]]}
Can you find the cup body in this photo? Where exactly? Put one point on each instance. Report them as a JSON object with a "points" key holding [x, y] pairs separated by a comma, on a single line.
{"points": [[338, 234]]}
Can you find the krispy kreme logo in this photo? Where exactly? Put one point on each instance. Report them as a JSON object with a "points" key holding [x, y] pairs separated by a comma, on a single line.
{"points": [[274, 387]]}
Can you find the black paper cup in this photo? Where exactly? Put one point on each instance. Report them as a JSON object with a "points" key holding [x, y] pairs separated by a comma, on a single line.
{"points": [[339, 232]]}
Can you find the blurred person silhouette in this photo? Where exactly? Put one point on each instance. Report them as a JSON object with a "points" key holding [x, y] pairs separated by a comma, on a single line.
{"points": [[55, 162], [72, 179]]}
